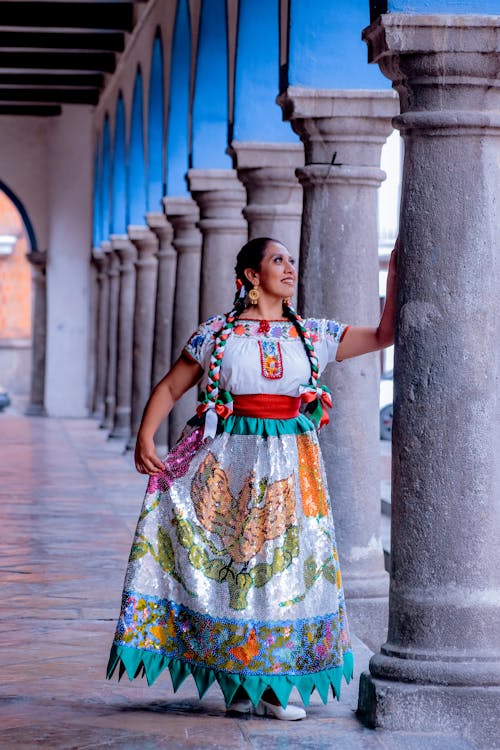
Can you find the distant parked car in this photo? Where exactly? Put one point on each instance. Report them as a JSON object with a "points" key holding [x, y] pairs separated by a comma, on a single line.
{"points": [[4, 398], [386, 396]]}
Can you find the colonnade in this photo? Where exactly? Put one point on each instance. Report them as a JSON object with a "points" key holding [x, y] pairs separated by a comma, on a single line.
{"points": [[440, 662]]}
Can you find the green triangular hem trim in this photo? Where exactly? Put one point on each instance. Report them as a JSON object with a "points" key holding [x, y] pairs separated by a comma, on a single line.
{"points": [[134, 662]]}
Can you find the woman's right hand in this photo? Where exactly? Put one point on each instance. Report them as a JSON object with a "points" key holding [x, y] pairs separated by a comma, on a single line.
{"points": [[146, 458]]}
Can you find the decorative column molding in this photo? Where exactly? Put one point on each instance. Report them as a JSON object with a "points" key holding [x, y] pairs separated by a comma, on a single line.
{"points": [[100, 259], [114, 292], [183, 214], [36, 406], [442, 656], [146, 267], [126, 254], [274, 194], [221, 198], [165, 293], [339, 279]]}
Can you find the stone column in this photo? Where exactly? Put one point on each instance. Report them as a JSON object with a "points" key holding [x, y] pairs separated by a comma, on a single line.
{"points": [[339, 279], [99, 258], [439, 668], [126, 253], [114, 291], [146, 266], [221, 198], [183, 214], [274, 194], [165, 292], [36, 406], [107, 271]]}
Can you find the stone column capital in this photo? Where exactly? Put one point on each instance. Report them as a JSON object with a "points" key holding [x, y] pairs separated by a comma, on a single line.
{"points": [[178, 208], [204, 180], [163, 230], [445, 71], [267, 171], [256, 155], [183, 214], [220, 196], [98, 259], [145, 241], [350, 124], [124, 248]]}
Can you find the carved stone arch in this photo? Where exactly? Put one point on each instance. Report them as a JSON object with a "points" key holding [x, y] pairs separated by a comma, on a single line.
{"points": [[156, 126], [136, 157], [119, 211]]}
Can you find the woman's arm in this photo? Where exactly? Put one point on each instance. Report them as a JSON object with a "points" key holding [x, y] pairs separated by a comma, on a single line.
{"points": [[360, 340], [183, 375]]}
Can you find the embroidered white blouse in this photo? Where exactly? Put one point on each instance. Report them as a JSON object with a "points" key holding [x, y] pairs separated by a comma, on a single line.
{"points": [[265, 356]]}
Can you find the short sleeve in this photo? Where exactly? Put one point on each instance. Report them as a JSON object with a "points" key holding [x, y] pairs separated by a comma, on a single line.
{"points": [[326, 336], [334, 333], [200, 345]]}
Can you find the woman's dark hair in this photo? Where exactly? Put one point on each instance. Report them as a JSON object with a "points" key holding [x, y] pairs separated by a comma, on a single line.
{"points": [[250, 256]]}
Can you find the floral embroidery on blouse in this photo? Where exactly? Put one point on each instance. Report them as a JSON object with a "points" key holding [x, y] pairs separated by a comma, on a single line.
{"points": [[202, 340], [271, 361]]}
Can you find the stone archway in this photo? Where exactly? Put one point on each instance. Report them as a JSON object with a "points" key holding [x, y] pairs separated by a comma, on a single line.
{"points": [[22, 312]]}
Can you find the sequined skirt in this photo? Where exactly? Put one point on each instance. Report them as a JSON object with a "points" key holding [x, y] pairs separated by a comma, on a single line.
{"points": [[234, 574]]}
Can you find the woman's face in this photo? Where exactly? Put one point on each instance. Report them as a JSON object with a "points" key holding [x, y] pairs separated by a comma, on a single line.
{"points": [[277, 275]]}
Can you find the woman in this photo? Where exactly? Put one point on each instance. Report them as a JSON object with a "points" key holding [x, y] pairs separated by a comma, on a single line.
{"points": [[233, 574]]}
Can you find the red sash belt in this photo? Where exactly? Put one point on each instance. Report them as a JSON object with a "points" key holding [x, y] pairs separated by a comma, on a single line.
{"points": [[266, 406]]}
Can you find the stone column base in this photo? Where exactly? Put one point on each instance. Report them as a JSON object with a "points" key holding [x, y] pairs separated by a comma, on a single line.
{"points": [[430, 708], [35, 410]]}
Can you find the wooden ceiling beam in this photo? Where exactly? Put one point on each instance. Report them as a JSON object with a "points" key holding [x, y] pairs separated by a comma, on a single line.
{"points": [[52, 96], [117, 16], [105, 41], [90, 80], [31, 110], [98, 61]]}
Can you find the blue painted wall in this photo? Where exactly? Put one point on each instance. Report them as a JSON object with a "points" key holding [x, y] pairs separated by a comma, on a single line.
{"points": [[178, 107], [325, 48], [257, 117], [458, 7], [119, 173], [155, 129], [136, 183], [96, 223], [106, 181], [210, 106]]}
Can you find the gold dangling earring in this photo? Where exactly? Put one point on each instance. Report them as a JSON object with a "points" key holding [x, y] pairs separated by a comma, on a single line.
{"points": [[254, 295]]}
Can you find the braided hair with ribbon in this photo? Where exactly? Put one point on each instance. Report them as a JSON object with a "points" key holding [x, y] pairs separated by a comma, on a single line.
{"points": [[217, 403]]}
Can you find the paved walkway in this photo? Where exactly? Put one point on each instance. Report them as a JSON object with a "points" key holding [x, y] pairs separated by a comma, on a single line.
{"points": [[68, 506]]}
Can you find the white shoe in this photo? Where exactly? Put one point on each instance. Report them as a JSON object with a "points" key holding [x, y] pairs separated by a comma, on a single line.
{"points": [[290, 713], [241, 706]]}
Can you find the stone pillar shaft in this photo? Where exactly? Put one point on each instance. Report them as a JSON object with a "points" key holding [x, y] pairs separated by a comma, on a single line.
{"points": [[146, 266], [339, 279], [442, 654], [126, 253], [221, 198], [100, 260], [36, 406], [114, 292], [183, 215], [165, 293]]}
